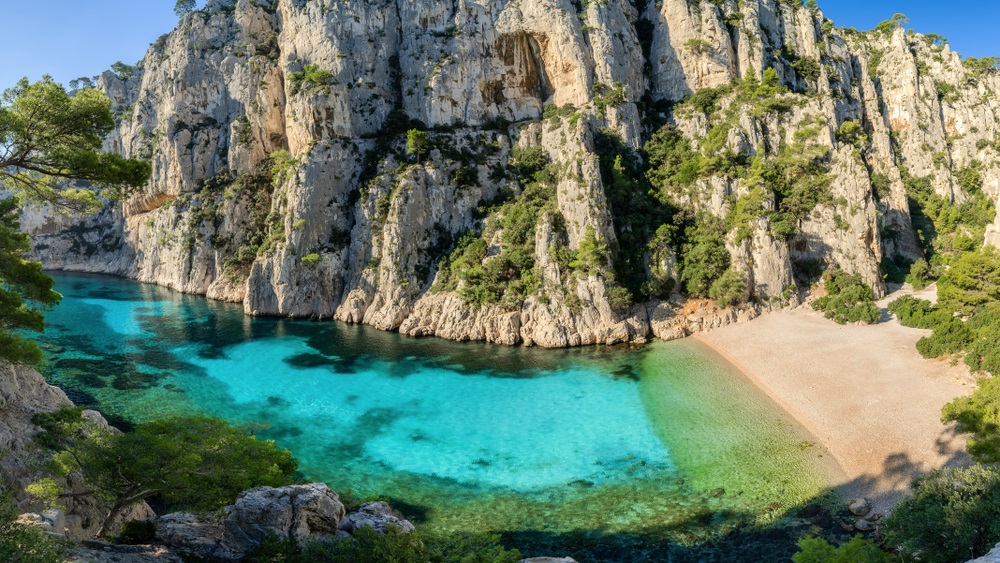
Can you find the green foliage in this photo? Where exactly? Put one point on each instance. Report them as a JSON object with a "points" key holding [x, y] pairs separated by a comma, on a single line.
{"points": [[981, 66], [282, 166], [673, 163], [857, 550], [897, 21], [417, 144], [918, 313], [704, 258], [310, 258], [851, 133], [311, 79], [808, 68], [730, 289], [979, 415], [848, 299], [528, 161], [49, 137], [592, 254], [26, 544], [949, 337], [953, 515], [45, 491], [186, 463], [184, 7], [972, 281], [941, 226], [645, 229], [920, 275], [368, 546], [509, 277], [983, 353], [25, 291]]}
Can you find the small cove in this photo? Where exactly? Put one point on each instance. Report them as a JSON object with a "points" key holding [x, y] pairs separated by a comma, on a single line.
{"points": [[668, 442]]}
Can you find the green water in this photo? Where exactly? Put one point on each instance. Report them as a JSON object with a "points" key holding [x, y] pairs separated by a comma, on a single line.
{"points": [[667, 442]]}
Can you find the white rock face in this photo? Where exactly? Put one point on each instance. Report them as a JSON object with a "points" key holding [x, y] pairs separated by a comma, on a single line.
{"points": [[355, 229]]}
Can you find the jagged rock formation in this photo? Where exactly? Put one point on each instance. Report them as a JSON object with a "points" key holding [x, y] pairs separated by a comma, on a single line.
{"points": [[347, 225]]}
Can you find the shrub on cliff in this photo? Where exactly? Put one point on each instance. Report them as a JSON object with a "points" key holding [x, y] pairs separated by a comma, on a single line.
{"points": [[848, 300], [953, 515]]}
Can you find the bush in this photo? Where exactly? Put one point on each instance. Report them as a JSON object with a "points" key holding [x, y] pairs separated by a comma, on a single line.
{"points": [[918, 313], [311, 78], [953, 515], [948, 337], [979, 415], [368, 546], [920, 274], [705, 258], [730, 289], [972, 282], [983, 353], [848, 300], [858, 550], [26, 544]]}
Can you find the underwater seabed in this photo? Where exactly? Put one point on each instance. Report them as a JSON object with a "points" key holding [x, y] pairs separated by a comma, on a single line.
{"points": [[664, 444]]}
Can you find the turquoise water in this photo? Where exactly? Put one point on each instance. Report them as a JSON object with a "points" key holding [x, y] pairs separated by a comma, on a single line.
{"points": [[665, 440]]}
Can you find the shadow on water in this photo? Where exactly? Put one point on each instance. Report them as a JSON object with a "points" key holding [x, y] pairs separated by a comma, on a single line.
{"points": [[825, 516]]}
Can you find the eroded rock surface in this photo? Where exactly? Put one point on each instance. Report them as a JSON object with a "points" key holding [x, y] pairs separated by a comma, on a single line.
{"points": [[352, 227]]}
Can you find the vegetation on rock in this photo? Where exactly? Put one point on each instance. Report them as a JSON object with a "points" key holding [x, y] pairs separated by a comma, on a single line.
{"points": [[185, 463]]}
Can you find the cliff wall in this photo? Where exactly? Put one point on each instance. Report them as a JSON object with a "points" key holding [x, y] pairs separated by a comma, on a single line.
{"points": [[282, 180]]}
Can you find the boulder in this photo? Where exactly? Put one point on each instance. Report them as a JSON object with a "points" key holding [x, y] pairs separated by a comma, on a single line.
{"points": [[863, 525], [377, 515], [295, 511], [859, 507]]}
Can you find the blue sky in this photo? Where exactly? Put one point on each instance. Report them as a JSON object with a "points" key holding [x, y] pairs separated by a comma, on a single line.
{"points": [[72, 38]]}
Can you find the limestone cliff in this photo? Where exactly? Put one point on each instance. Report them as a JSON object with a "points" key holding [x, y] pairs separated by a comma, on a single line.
{"points": [[282, 180]]}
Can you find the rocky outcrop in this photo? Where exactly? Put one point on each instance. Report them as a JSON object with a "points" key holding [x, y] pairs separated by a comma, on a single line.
{"points": [[378, 516], [299, 512], [23, 393], [341, 222]]}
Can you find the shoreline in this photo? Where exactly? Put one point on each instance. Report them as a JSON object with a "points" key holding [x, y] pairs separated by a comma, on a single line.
{"points": [[863, 391]]}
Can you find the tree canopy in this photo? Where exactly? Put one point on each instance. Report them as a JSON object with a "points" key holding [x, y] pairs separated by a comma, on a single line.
{"points": [[184, 7], [187, 463], [48, 137], [21, 281]]}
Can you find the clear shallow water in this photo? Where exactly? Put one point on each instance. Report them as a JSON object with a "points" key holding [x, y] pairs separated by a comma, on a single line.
{"points": [[667, 440]]}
